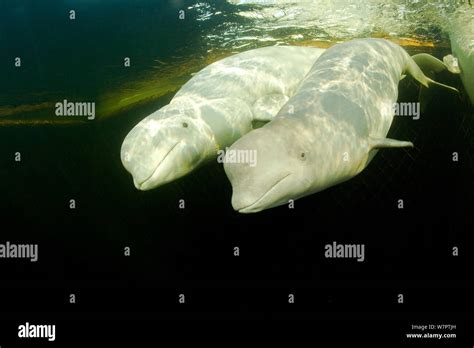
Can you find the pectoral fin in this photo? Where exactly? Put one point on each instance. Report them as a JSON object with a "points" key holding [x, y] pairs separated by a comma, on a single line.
{"points": [[381, 143]]}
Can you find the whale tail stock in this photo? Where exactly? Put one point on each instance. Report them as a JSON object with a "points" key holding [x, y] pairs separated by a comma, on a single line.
{"points": [[424, 63], [423, 67], [417, 66]]}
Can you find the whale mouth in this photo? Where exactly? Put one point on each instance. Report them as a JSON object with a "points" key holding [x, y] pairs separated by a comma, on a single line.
{"points": [[143, 184], [253, 207]]}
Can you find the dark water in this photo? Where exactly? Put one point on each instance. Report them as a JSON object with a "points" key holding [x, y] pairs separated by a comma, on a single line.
{"points": [[191, 250]]}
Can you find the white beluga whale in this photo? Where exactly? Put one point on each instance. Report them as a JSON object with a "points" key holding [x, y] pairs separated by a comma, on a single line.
{"points": [[329, 131], [222, 102], [461, 34]]}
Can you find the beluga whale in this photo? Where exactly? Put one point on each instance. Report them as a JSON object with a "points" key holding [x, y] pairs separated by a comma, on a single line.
{"points": [[329, 131], [461, 34], [221, 103]]}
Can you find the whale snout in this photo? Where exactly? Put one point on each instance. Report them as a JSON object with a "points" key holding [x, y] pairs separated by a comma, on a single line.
{"points": [[148, 178], [148, 156], [159, 151], [265, 184], [245, 201], [149, 165], [242, 202]]}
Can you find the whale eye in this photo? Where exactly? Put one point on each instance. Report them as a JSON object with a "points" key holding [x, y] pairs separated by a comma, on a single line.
{"points": [[302, 156], [185, 125]]}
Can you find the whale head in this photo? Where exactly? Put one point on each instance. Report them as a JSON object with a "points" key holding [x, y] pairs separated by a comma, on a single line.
{"points": [[164, 147], [289, 164]]}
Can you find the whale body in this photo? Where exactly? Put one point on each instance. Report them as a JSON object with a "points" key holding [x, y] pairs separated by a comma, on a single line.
{"points": [[329, 131], [461, 34], [221, 103]]}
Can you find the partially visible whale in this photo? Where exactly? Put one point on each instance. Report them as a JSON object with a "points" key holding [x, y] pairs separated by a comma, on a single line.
{"points": [[329, 130], [461, 34], [217, 106]]}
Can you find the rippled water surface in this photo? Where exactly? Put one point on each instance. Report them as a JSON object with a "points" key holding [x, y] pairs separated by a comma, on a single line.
{"points": [[83, 59]]}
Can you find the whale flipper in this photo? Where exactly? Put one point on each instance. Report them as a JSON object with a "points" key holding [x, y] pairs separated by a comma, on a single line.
{"points": [[382, 143]]}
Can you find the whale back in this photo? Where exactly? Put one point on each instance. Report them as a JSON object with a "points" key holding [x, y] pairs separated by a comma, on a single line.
{"points": [[229, 95], [252, 74], [350, 85]]}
